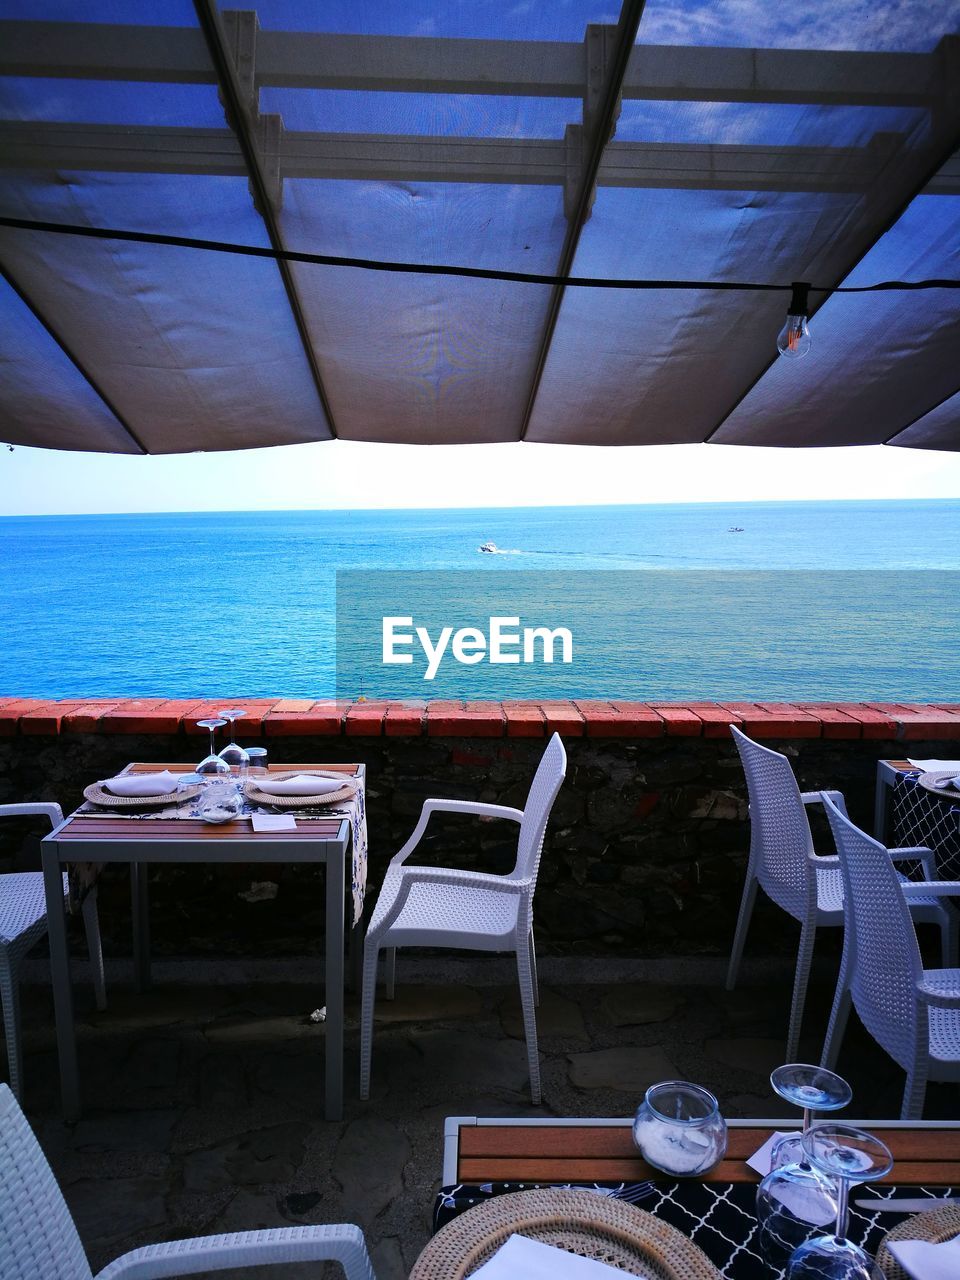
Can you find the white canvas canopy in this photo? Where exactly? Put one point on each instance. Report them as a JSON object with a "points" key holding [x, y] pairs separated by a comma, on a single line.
{"points": [[707, 140]]}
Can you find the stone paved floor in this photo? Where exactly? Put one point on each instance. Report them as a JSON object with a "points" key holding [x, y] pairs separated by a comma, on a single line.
{"points": [[204, 1102]]}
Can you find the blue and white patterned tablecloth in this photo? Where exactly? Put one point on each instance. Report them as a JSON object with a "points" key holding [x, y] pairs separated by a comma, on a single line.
{"points": [[717, 1216], [921, 818]]}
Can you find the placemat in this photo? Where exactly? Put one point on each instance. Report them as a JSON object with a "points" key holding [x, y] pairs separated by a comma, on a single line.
{"points": [[610, 1231]]}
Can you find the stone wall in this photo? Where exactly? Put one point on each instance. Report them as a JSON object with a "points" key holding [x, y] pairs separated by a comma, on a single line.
{"points": [[645, 853]]}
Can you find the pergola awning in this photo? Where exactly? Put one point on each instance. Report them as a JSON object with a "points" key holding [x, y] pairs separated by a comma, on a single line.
{"points": [[711, 141]]}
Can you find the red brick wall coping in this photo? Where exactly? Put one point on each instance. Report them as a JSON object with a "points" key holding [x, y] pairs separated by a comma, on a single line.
{"points": [[303, 717]]}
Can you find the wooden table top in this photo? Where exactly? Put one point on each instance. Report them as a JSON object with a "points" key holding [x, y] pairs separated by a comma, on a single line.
{"points": [[102, 826], [605, 1153]]}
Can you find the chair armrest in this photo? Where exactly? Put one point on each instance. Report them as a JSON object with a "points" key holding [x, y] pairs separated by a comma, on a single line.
{"points": [[34, 809], [342, 1243], [930, 994], [471, 808], [925, 888], [816, 797], [918, 853], [411, 876]]}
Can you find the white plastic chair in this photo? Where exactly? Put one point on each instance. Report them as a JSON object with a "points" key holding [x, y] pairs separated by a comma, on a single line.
{"points": [[912, 1012], [39, 1241], [469, 910], [810, 888], [23, 921]]}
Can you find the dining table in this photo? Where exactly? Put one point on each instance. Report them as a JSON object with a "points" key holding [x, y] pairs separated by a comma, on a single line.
{"points": [[907, 815], [335, 840], [485, 1157]]}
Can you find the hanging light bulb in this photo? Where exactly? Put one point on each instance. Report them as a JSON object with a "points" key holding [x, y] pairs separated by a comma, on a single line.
{"points": [[793, 340]]}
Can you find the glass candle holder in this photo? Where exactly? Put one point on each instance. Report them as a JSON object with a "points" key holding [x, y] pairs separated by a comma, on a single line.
{"points": [[678, 1128]]}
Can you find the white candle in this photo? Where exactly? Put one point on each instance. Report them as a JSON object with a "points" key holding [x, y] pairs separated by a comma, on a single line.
{"points": [[673, 1148]]}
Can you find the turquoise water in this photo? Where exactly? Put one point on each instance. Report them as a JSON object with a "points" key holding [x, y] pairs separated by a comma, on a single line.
{"points": [[242, 604]]}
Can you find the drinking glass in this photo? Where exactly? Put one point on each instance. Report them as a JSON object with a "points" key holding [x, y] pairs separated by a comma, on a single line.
{"points": [[847, 1155], [796, 1198], [233, 753], [212, 764]]}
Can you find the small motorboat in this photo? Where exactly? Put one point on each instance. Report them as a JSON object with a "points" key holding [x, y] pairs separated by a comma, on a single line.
{"points": [[490, 547], [734, 529]]}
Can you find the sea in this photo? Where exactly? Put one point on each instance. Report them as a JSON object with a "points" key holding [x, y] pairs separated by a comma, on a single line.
{"points": [[242, 604]]}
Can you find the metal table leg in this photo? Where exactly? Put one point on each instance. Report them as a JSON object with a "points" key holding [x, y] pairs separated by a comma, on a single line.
{"points": [[334, 985], [140, 915], [60, 974]]}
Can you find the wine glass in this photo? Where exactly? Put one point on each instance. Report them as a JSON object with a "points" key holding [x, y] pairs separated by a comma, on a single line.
{"points": [[233, 753], [796, 1198], [847, 1155], [212, 764]]}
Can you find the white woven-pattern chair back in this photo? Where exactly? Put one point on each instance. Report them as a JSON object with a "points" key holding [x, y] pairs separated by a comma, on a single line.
{"points": [[543, 791], [780, 840], [887, 964], [38, 1240]]}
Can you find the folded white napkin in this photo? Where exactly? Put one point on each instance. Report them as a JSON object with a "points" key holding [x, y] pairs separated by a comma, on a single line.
{"points": [[520, 1257], [304, 784], [925, 1261], [760, 1160], [142, 784], [935, 766]]}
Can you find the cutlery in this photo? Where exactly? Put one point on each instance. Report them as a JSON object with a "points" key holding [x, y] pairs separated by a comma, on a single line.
{"points": [[904, 1205]]}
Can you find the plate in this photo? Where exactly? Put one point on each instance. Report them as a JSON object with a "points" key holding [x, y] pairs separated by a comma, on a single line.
{"points": [[934, 1226], [936, 783], [582, 1222], [97, 794], [253, 793]]}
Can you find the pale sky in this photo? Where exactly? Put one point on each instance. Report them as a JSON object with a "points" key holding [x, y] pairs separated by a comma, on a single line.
{"points": [[345, 474]]}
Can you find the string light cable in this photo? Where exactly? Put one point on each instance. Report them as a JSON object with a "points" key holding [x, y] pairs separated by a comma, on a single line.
{"points": [[793, 341]]}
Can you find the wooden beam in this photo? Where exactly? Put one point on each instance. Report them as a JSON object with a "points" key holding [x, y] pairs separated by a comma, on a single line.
{"points": [[386, 158], [421, 64]]}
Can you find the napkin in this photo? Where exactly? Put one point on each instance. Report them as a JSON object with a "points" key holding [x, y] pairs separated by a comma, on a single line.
{"points": [[925, 1261], [935, 766], [760, 1160], [522, 1257], [304, 784], [142, 784]]}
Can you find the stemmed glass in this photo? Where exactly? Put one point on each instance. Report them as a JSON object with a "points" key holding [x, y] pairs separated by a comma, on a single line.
{"points": [[847, 1155], [233, 753], [795, 1198], [212, 764]]}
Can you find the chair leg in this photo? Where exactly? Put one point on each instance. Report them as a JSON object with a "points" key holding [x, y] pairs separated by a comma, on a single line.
{"points": [[949, 936], [808, 936], [91, 924], [525, 975], [371, 952], [914, 1092], [839, 1014], [390, 971], [747, 900], [533, 971], [10, 1002]]}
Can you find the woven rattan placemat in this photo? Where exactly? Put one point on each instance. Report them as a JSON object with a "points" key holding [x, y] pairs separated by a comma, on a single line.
{"points": [[607, 1230], [97, 794], [936, 783], [254, 794], [934, 1226]]}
